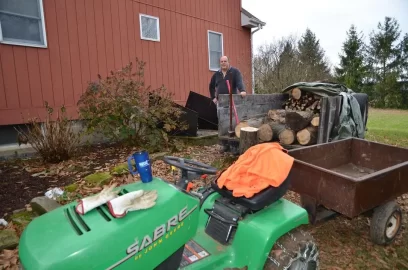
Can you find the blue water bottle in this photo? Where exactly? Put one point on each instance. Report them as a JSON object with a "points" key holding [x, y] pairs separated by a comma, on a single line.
{"points": [[143, 166]]}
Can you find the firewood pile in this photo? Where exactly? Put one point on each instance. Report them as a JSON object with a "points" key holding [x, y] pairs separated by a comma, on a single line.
{"points": [[296, 123]]}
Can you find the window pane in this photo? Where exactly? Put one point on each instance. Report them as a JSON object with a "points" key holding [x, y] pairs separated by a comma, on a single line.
{"points": [[25, 29], [149, 28], [25, 7], [215, 42], [215, 60]]}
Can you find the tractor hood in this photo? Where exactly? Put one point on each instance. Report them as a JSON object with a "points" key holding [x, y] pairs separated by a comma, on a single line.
{"points": [[62, 239]]}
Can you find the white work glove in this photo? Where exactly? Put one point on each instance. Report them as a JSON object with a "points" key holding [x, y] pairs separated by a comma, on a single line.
{"points": [[87, 204], [132, 201]]}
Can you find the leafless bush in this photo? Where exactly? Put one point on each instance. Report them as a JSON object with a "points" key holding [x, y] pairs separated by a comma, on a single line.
{"points": [[55, 141]]}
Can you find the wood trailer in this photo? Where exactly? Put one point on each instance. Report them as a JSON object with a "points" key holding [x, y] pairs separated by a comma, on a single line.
{"points": [[255, 107]]}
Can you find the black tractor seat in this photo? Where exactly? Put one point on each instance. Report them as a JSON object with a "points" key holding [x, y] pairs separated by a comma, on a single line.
{"points": [[260, 200]]}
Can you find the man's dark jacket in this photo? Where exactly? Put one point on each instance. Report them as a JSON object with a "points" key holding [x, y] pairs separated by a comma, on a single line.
{"points": [[218, 84]]}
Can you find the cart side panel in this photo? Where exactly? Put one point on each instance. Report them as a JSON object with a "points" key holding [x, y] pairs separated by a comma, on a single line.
{"points": [[328, 155], [332, 191], [247, 107], [377, 156], [381, 188]]}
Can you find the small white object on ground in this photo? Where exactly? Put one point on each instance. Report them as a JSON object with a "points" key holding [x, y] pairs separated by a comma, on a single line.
{"points": [[3, 222], [54, 193]]}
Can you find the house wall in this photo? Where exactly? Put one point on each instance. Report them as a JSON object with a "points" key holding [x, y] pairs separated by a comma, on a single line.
{"points": [[90, 37]]}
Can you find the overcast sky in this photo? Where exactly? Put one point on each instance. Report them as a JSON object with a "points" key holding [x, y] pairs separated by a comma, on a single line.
{"points": [[328, 19]]}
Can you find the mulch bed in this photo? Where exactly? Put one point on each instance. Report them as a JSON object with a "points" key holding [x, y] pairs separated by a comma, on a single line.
{"points": [[22, 180]]}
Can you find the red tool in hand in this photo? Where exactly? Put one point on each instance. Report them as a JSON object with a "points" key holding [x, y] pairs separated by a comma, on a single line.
{"points": [[233, 104]]}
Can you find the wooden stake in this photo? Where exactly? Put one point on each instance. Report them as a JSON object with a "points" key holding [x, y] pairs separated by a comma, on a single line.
{"points": [[248, 138]]}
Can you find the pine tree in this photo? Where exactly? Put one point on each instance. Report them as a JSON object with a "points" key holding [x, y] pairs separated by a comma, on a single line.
{"points": [[386, 59], [312, 58], [352, 69]]}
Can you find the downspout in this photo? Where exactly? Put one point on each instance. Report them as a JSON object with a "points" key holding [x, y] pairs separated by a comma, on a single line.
{"points": [[252, 57]]}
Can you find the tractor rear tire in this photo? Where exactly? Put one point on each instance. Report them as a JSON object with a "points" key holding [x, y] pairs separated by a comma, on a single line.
{"points": [[296, 250]]}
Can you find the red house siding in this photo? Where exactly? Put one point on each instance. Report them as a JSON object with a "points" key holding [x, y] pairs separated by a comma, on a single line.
{"points": [[90, 37]]}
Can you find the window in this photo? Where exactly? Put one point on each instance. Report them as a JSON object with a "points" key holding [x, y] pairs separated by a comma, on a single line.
{"points": [[149, 27], [215, 49], [22, 23]]}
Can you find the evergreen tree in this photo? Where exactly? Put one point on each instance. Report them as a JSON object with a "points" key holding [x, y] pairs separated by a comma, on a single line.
{"points": [[312, 58], [352, 69], [386, 59]]}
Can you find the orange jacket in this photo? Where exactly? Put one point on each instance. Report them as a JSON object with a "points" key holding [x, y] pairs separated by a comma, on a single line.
{"points": [[261, 166]]}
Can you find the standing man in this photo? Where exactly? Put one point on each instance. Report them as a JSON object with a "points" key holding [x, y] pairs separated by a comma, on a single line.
{"points": [[218, 83]]}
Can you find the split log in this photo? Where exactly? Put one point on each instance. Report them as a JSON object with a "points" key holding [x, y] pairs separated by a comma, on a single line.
{"points": [[265, 133], [296, 93], [281, 133], [249, 138], [253, 122], [315, 121], [307, 136], [277, 115], [298, 120]]}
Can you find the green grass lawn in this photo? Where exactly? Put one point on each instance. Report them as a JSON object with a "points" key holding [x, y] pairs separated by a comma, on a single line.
{"points": [[388, 126]]}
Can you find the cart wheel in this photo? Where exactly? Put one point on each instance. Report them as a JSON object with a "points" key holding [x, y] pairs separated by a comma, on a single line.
{"points": [[296, 250], [385, 223]]}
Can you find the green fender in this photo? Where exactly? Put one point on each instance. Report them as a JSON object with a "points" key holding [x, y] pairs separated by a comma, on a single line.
{"points": [[258, 232]]}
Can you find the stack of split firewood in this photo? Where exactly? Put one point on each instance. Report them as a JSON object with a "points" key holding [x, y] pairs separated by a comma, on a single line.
{"points": [[296, 123]]}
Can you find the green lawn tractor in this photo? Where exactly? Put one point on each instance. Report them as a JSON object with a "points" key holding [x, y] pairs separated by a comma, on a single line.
{"points": [[210, 230]]}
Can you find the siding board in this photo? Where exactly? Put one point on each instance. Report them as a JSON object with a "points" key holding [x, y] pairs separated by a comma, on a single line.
{"points": [[123, 32], [10, 78], [65, 54], [54, 49], [100, 38], [91, 37], [109, 40], [83, 43], [23, 86], [131, 30], [74, 50], [3, 101], [34, 78]]}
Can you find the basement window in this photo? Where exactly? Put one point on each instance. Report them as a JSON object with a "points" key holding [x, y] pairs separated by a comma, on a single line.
{"points": [[149, 27], [215, 49], [22, 23]]}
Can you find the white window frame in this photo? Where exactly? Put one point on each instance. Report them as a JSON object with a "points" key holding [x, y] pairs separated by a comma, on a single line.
{"points": [[209, 52], [28, 43], [141, 30]]}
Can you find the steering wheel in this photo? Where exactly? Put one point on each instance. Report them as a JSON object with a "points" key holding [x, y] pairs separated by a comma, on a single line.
{"points": [[185, 164]]}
